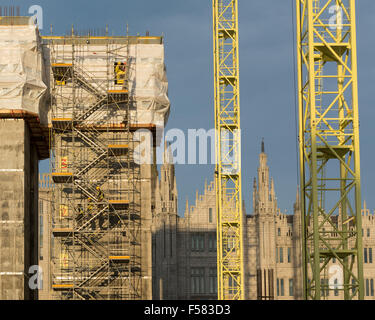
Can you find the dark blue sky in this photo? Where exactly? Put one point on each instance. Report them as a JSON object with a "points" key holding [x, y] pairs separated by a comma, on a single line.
{"points": [[266, 70]]}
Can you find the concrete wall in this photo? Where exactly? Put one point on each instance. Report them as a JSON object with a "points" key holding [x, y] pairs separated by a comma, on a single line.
{"points": [[146, 236], [18, 209], [45, 196]]}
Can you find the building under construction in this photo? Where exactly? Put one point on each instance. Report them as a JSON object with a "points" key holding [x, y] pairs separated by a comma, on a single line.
{"points": [[103, 89], [94, 94], [23, 121], [92, 104]]}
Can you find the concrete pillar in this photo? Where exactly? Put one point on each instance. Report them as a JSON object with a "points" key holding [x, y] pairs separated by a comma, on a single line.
{"points": [[146, 234], [18, 210]]}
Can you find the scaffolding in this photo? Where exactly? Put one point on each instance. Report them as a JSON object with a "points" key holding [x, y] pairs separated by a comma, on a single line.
{"points": [[96, 205]]}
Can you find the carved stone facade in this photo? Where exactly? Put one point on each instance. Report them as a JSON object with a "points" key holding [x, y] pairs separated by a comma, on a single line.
{"points": [[184, 248]]}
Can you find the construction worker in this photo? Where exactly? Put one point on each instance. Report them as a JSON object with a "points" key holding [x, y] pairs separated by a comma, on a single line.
{"points": [[120, 70], [100, 196], [90, 206]]}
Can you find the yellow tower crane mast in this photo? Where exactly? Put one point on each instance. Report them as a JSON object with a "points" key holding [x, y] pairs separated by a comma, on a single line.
{"points": [[329, 149], [228, 151]]}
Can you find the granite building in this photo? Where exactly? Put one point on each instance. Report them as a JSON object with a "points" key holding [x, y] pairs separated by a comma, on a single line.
{"points": [[184, 247]]}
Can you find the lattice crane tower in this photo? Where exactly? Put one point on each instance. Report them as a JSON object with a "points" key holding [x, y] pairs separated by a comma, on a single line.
{"points": [[329, 148], [228, 151]]}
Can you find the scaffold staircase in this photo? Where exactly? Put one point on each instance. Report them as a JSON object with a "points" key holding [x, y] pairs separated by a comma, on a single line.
{"points": [[100, 226]]}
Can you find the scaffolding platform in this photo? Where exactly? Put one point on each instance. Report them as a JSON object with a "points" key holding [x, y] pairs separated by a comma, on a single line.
{"points": [[62, 177], [61, 65], [119, 259], [62, 71], [118, 149], [62, 123], [62, 287], [61, 232], [230, 175], [339, 253], [119, 204], [118, 95], [135, 269], [331, 51], [328, 152]]}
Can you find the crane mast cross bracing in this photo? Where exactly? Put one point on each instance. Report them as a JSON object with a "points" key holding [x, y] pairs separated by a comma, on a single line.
{"points": [[228, 151], [329, 149]]}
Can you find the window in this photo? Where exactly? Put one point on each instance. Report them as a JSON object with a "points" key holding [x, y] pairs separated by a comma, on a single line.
{"points": [[41, 231], [289, 255], [197, 242], [370, 255], [197, 280], [353, 286], [171, 243], [212, 280], [324, 287], [212, 242], [309, 286], [291, 288], [367, 287], [326, 283], [336, 286], [372, 287], [279, 232], [164, 241], [40, 207], [279, 255], [368, 233], [365, 255], [210, 215], [290, 229], [280, 287]]}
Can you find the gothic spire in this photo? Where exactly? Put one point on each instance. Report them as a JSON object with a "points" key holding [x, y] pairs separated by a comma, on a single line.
{"points": [[168, 157], [263, 150]]}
